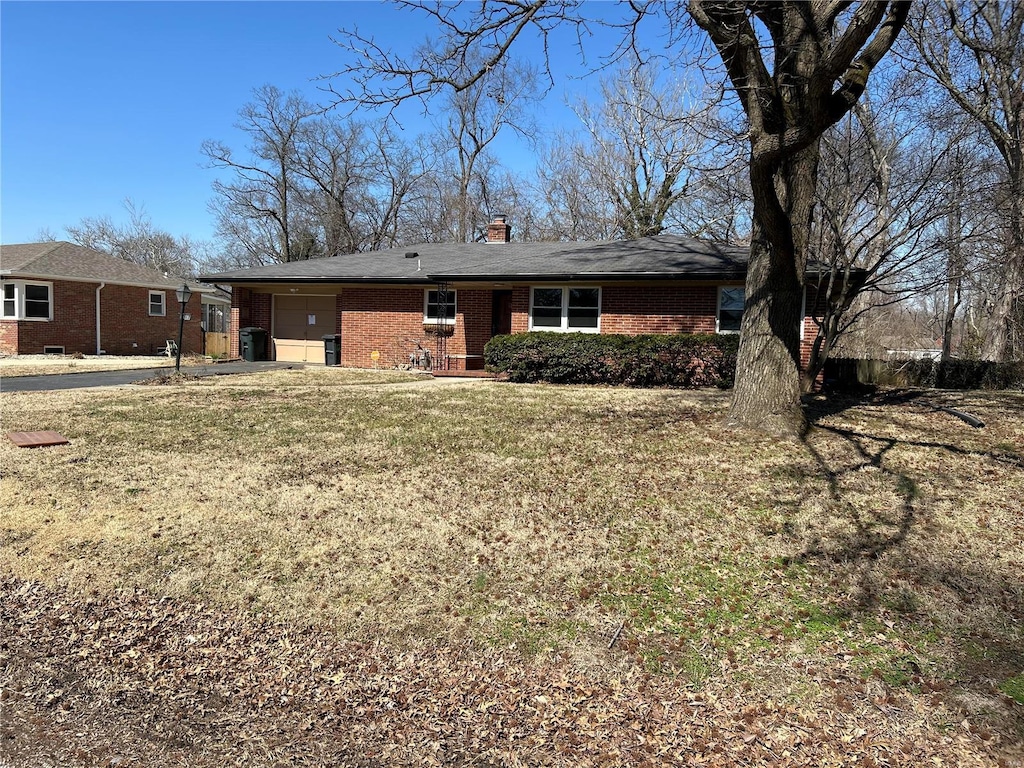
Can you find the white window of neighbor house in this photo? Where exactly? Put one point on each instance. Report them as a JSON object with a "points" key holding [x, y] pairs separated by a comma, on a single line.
{"points": [[10, 301], [25, 300], [37, 301], [730, 309], [157, 303], [565, 309], [432, 310]]}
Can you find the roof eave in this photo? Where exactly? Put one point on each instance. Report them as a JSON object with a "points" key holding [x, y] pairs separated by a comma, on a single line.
{"points": [[590, 276], [424, 280]]}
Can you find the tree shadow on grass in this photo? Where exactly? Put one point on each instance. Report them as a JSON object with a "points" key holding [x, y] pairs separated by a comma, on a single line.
{"points": [[900, 555]]}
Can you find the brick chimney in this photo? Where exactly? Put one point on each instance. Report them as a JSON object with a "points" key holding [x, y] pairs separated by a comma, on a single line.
{"points": [[498, 231]]}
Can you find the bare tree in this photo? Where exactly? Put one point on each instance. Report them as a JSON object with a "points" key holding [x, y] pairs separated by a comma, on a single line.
{"points": [[650, 158], [400, 175], [789, 100], [643, 146], [575, 207], [46, 235], [139, 242], [475, 117], [878, 220], [334, 165], [255, 208], [974, 50]]}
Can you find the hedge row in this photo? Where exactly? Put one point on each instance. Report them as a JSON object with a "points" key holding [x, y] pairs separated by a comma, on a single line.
{"points": [[652, 360], [951, 374], [963, 374]]}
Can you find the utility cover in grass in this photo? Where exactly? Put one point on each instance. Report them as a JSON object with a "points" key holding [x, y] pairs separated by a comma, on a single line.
{"points": [[37, 439]]}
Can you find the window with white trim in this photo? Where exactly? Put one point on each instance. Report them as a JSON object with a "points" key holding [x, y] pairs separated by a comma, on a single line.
{"points": [[157, 304], [565, 309], [26, 300], [432, 309], [730, 309], [10, 301]]}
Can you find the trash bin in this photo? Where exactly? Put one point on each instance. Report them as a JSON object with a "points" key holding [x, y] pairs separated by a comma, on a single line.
{"points": [[252, 343], [332, 349]]}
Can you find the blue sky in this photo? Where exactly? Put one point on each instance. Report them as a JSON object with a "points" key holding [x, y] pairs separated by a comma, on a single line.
{"points": [[102, 102]]}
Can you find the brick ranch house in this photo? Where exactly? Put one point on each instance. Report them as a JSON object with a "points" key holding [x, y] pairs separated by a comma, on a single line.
{"points": [[64, 298], [450, 299]]}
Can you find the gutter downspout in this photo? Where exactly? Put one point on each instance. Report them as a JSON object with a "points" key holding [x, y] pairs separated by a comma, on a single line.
{"points": [[99, 347]]}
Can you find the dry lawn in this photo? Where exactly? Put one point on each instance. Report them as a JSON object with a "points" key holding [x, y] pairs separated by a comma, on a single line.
{"points": [[53, 365], [334, 567]]}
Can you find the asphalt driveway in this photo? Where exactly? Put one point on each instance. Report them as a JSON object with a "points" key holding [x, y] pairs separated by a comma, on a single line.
{"points": [[123, 377]]}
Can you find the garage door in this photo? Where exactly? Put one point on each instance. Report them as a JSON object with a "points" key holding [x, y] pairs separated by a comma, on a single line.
{"points": [[300, 323]]}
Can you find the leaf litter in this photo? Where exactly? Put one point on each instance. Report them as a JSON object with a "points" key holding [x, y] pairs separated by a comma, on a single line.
{"points": [[133, 679]]}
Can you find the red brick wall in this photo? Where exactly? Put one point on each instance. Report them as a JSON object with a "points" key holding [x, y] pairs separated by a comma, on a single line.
{"points": [[125, 325], [9, 337], [390, 321], [475, 319], [807, 341], [249, 309], [659, 309], [520, 309]]}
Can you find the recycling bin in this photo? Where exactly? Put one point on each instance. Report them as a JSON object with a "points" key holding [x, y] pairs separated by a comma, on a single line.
{"points": [[332, 349], [252, 343]]}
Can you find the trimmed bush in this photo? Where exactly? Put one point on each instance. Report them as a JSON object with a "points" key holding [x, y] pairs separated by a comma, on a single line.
{"points": [[651, 360]]}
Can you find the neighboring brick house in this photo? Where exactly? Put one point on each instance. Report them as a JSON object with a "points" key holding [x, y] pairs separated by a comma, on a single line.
{"points": [[388, 305], [65, 298]]}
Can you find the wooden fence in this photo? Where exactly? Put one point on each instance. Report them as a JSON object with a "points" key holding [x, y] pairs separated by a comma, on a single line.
{"points": [[217, 344]]}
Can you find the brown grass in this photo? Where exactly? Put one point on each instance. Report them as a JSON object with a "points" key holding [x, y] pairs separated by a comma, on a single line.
{"points": [[536, 520], [53, 365]]}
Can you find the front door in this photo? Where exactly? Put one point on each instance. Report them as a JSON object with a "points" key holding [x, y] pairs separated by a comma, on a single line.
{"points": [[501, 312], [300, 323]]}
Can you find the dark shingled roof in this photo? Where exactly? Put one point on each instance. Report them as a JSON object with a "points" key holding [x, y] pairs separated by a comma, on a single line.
{"points": [[60, 260], [654, 258]]}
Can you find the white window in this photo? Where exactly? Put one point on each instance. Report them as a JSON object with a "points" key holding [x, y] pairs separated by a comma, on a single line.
{"points": [[10, 307], [730, 309], [439, 307], [157, 304], [25, 300], [565, 309]]}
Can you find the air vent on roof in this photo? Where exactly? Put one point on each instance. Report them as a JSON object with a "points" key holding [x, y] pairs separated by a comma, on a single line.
{"points": [[411, 255]]}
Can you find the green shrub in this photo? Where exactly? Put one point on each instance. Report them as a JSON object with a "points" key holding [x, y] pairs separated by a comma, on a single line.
{"points": [[651, 360]]}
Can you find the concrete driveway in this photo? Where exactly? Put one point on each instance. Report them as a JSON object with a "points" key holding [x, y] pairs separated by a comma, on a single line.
{"points": [[116, 378]]}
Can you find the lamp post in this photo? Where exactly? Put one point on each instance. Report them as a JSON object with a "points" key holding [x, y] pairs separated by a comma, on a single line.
{"points": [[184, 294]]}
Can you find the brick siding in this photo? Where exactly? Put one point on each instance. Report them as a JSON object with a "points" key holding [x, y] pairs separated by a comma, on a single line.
{"points": [[390, 320], [126, 327], [659, 309]]}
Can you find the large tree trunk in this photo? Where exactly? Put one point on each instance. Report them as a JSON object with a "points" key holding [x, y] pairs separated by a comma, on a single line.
{"points": [[999, 331], [767, 391], [768, 371]]}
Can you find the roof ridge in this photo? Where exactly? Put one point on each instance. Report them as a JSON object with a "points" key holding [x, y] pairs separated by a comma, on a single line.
{"points": [[56, 244]]}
